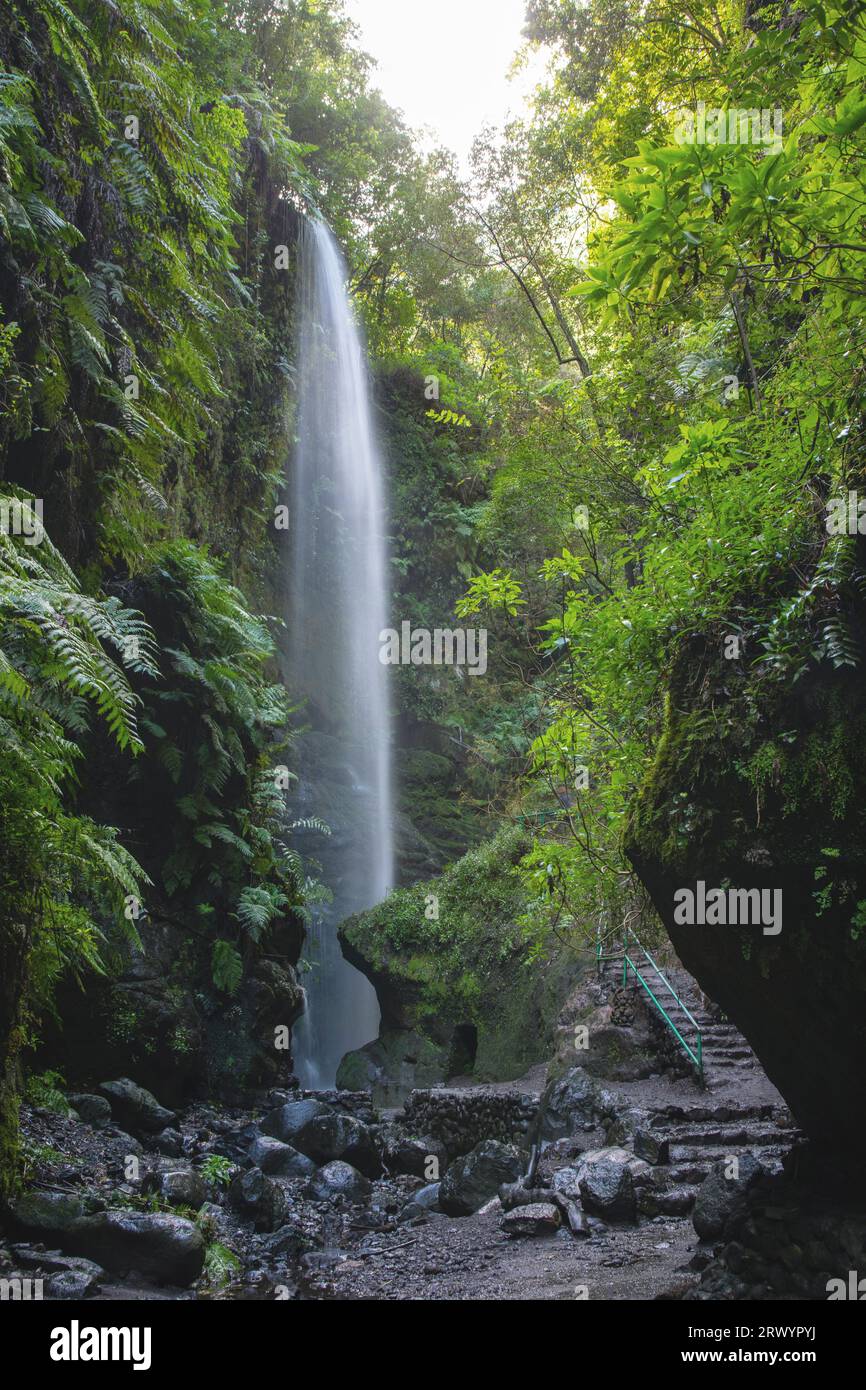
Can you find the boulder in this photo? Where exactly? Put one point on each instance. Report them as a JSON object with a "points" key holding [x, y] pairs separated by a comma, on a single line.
{"points": [[573, 1104], [567, 1181], [68, 1276], [404, 1154], [397, 1062], [650, 1145], [93, 1110], [257, 1197], [169, 1142], [280, 1160], [181, 1187], [161, 1246], [339, 1179], [288, 1240], [537, 1219], [476, 1177], [425, 1200], [288, 1120], [135, 1108], [50, 1215], [607, 1184], [722, 1200], [325, 1134]]}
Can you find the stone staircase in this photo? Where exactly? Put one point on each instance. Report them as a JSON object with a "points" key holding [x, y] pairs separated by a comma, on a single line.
{"points": [[695, 1137], [737, 1112]]}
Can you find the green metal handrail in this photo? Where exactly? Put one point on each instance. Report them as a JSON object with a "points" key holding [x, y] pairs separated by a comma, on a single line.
{"points": [[696, 1054]]}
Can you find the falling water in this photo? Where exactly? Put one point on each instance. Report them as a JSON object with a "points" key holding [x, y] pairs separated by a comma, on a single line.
{"points": [[336, 611]]}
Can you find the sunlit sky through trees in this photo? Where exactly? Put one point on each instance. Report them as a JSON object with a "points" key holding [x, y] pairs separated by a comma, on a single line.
{"points": [[446, 65]]}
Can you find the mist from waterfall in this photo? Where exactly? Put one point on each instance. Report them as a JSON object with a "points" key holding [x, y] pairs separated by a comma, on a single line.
{"points": [[337, 608]]}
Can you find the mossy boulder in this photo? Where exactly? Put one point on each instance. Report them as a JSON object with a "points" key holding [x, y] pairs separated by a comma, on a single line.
{"points": [[459, 990]]}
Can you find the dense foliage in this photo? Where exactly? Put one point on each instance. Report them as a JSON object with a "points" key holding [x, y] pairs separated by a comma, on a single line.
{"points": [[620, 377]]}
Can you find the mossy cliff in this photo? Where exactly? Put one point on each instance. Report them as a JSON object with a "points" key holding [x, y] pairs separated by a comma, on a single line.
{"points": [[757, 784], [458, 988]]}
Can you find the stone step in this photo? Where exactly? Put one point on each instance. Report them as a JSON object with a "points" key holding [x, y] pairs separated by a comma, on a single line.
{"points": [[731, 1134], [694, 1153], [684, 1174], [663, 1116]]}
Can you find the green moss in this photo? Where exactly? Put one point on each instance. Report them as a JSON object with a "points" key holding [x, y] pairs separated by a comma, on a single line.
{"points": [[450, 953], [9, 1141]]}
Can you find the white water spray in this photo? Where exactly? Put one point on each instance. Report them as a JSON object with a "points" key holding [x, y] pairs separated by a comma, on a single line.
{"points": [[337, 609]]}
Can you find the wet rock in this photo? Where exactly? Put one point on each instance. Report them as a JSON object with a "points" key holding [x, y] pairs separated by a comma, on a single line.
{"points": [[567, 1181], [607, 1186], [425, 1200], [73, 1283], [676, 1201], [181, 1187], [315, 1261], [69, 1276], [169, 1142], [50, 1215], [340, 1179], [134, 1107], [650, 1145], [394, 1063], [257, 1197], [572, 1104], [537, 1219], [580, 1225], [289, 1120], [279, 1159], [93, 1110], [325, 1134], [160, 1246], [289, 1240], [123, 1147], [476, 1177], [722, 1200], [404, 1154]]}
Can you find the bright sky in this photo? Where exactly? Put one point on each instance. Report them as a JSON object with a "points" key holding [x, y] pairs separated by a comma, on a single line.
{"points": [[444, 63]]}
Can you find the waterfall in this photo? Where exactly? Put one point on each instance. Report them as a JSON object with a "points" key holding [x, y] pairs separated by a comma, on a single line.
{"points": [[337, 608]]}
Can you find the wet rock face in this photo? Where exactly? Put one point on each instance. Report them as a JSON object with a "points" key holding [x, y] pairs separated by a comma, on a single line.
{"points": [[800, 1234], [161, 1019], [399, 1060], [786, 815], [451, 1005]]}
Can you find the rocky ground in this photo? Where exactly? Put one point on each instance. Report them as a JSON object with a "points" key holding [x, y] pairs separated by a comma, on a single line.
{"points": [[637, 1186]]}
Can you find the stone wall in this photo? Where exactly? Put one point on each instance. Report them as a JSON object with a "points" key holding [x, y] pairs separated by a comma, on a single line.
{"points": [[461, 1119]]}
